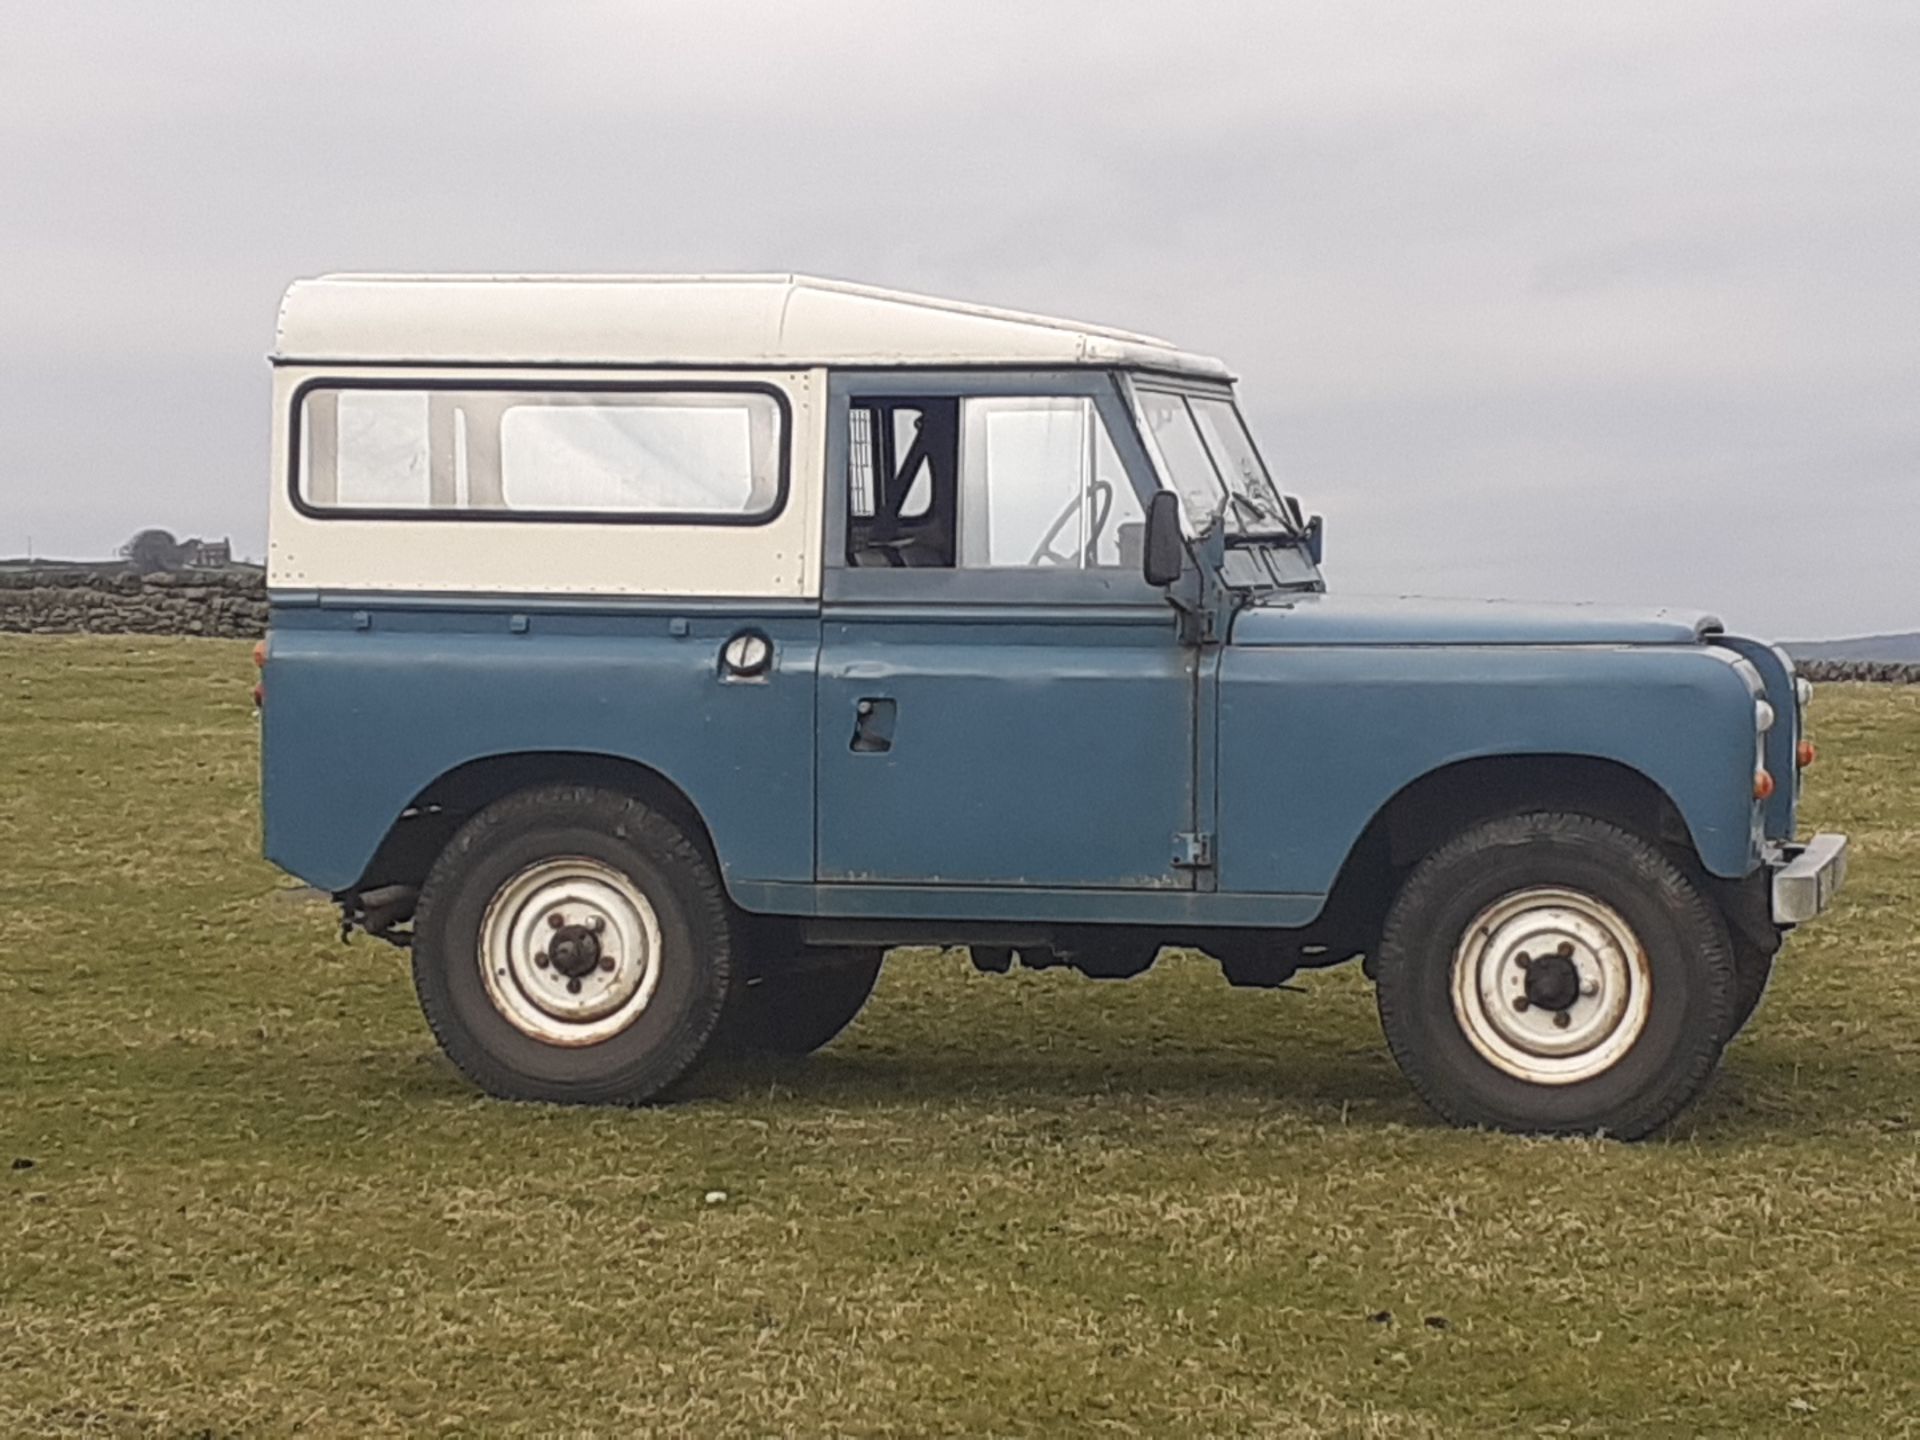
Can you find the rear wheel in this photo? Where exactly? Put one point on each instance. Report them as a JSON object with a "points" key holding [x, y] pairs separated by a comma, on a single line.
{"points": [[572, 945], [795, 1009], [1555, 973]]}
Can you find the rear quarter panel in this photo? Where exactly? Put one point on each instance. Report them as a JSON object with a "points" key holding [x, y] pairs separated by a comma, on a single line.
{"points": [[368, 704]]}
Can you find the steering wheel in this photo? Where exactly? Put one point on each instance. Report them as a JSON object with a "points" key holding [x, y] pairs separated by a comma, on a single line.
{"points": [[1045, 554]]}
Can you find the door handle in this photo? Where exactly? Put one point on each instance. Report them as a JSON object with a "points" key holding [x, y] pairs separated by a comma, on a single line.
{"points": [[873, 726]]}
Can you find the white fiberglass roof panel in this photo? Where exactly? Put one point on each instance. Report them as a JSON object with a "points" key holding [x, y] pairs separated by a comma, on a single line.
{"points": [[642, 320]]}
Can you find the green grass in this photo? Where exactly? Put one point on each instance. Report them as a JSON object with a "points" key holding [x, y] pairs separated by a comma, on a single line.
{"points": [[260, 1202]]}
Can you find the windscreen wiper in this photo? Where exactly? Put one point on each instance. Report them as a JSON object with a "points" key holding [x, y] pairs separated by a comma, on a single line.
{"points": [[1285, 535]]}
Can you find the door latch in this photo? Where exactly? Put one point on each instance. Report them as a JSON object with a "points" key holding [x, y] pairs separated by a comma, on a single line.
{"points": [[873, 726]]}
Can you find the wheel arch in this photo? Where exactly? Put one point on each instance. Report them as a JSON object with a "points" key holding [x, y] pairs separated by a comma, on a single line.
{"points": [[1428, 811], [417, 835], [1434, 807]]}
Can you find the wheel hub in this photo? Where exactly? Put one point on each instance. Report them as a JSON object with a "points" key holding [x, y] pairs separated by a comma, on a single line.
{"points": [[570, 951], [1553, 981], [1551, 986], [575, 951]]}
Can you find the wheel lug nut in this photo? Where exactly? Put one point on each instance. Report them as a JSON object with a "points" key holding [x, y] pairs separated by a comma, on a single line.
{"points": [[1520, 1002], [596, 924], [573, 987], [1566, 949], [1523, 959], [541, 960], [556, 920], [1562, 1019], [1589, 987], [606, 963]]}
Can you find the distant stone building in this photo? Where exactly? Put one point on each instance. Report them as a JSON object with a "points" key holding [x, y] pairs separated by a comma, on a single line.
{"points": [[153, 552]]}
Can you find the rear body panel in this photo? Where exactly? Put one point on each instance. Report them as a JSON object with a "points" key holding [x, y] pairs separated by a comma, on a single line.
{"points": [[373, 699]]}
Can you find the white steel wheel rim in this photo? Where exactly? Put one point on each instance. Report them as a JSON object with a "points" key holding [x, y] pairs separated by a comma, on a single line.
{"points": [[570, 951], [1564, 948]]}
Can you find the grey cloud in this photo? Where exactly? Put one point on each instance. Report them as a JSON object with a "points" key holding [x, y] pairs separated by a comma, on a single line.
{"points": [[1607, 301]]}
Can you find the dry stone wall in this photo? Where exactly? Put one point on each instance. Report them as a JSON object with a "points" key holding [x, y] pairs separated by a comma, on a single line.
{"points": [[213, 602], [234, 603], [1880, 672]]}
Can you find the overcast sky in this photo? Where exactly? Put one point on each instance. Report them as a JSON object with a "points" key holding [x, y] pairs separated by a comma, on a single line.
{"points": [[1590, 301]]}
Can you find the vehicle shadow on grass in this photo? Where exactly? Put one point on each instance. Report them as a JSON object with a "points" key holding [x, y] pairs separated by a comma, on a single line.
{"points": [[1747, 1099], [1768, 1084], [1328, 1082], [1766, 1090], [1764, 1086]]}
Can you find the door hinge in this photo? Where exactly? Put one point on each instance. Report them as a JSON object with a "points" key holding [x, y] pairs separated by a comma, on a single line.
{"points": [[1199, 627], [1193, 850]]}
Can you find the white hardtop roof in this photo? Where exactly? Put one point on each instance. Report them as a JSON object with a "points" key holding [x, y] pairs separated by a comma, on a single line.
{"points": [[716, 320]]}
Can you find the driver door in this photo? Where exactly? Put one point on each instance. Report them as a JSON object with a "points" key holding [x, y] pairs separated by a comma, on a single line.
{"points": [[1003, 702]]}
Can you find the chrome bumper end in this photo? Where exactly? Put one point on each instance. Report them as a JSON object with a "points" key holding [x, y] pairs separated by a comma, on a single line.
{"points": [[1806, 877]]}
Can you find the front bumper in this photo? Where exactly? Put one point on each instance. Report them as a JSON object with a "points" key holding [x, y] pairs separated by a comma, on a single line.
{"points": [[1806, 877]]}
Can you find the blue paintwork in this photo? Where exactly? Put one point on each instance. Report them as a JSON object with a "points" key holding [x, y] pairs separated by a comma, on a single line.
{"points": [[360, 721], [1315, 740], [1006, 904], [1323, 619], [1049, 754], [1037, 751]]}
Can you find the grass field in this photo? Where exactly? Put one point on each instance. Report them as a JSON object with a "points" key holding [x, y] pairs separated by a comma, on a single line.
{"points": [[246, 1195]]}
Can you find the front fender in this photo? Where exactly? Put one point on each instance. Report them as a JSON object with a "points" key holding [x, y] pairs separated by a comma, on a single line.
{"points": [[1314, 741]]}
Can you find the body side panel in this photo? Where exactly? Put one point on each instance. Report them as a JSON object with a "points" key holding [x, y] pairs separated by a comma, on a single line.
{"points": [[369, 703], [1051, 752], [1315, 740]]}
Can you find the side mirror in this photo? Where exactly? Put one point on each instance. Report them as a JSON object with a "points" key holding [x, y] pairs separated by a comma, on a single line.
{"points": [[1165, 554], [1316, 539]]}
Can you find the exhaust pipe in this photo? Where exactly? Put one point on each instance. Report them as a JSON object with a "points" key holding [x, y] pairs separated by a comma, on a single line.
{"points": [[378, 911]]}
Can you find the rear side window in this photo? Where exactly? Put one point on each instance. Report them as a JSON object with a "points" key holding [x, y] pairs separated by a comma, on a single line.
{"points": [[680, 454]]}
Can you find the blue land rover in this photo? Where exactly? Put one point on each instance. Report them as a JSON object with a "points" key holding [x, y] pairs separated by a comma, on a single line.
{"points": [[651, 654]]}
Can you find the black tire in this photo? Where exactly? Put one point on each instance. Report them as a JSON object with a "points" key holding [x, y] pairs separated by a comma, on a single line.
{"points": [[1752, 968], [1689, 977], [797, 1008], [671, 1028]]}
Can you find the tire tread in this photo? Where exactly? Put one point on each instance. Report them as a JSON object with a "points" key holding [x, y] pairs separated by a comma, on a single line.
{"points": [[697, 887], [1398, 996]]}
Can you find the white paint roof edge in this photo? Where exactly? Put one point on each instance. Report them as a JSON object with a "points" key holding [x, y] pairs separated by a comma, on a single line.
{"points": [[770, 320]]}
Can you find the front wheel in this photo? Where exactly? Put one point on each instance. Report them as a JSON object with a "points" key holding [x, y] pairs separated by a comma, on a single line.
{"points": [[1555, 973], [1752, 968]]}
